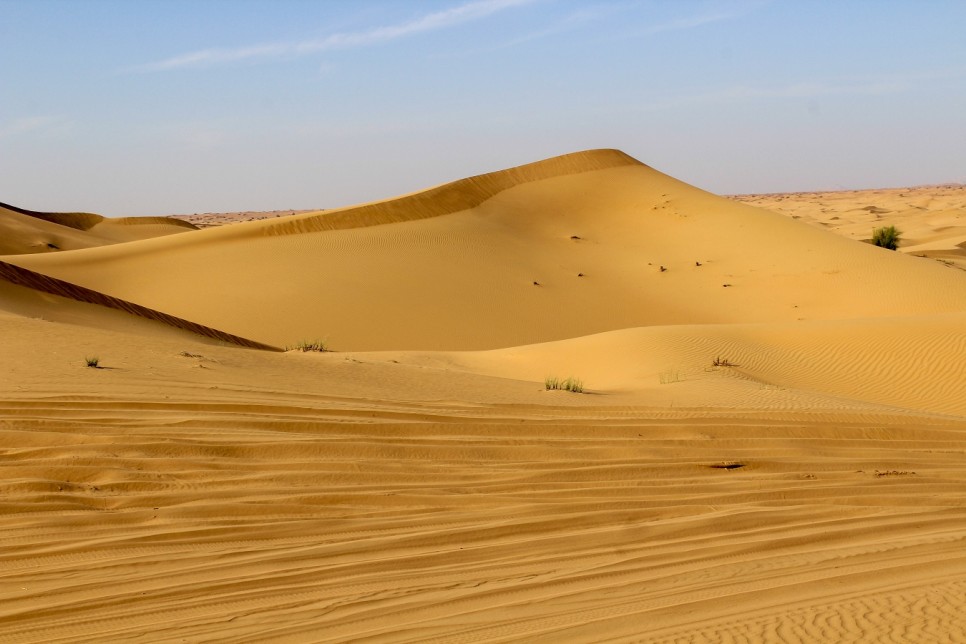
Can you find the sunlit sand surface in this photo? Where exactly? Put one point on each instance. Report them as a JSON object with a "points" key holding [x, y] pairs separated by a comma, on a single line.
{"points": [[769, 445]]}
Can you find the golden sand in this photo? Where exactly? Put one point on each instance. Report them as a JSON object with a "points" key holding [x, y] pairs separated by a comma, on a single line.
{"points": [[769, 445]]}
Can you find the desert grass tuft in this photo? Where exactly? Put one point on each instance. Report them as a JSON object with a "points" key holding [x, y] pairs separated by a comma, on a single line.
{"points": [[92, 361], [553, 383], [306, 346]]}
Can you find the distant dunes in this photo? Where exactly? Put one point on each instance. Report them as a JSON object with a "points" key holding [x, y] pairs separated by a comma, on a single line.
{"points": [[25, 231], [87, 220]]}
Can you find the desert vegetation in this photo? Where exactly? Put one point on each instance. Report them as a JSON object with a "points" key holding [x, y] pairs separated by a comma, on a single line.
{"points": [[887, 237], [306, 346], [553, 383]]}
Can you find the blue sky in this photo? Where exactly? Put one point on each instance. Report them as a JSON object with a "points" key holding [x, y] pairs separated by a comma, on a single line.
{"points": [[160, 107]]}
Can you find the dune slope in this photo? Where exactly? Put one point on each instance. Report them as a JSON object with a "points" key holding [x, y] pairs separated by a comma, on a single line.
{"points": [[769, 446], [197, 492], [571, 246], [26, 231], [932, 219], [35, 282]]}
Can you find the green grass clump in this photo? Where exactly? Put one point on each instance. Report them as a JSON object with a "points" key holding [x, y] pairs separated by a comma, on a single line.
{"points": [[92, 361], [887, 237], [305, 346], [552, 383]]}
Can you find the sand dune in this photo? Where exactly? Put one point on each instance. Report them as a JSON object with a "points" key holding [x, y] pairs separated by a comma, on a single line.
{"points": [[210, 219], [195, 491], [34, 282], [563, 248], [932, 218], [898, 363], [26, 231], [420, 484]]}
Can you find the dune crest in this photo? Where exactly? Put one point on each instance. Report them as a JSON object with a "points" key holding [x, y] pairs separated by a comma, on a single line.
{"points": [[448, 198], [567, 247], [25, 231], [88, 220]]}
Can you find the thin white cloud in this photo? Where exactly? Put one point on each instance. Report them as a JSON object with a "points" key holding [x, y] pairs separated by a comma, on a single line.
{"points": [[811, 90], [568, 23], [436, 21], [31, 124], [718, 12], [599, 11], [689, 22], [890, 83], [201, 136], [803, 90]]}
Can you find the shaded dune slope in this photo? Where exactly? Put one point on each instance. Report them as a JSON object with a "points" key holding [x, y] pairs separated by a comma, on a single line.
{"points": [[45, 284], [571, 246], [88, 220], [22, 234], [25, 231]]}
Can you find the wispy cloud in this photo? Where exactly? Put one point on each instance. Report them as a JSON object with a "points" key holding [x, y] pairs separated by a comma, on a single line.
{"points": [[596, 12], [570, 22], [567, 23], [810, 90], [716, 12], [436, 21], [689, 22], [802, 90], [31, 124]]}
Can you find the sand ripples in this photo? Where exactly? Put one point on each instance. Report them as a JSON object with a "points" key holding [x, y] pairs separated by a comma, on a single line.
{"points": [[333, 520]]}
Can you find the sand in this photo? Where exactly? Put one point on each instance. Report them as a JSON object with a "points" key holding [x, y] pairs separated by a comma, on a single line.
{"points": [[419, 483], [25, 231], [931, 218], [211, 219]]}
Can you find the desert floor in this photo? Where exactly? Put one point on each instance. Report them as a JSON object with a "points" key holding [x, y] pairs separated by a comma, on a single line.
{"points": [[931, 218], [769, 445]]}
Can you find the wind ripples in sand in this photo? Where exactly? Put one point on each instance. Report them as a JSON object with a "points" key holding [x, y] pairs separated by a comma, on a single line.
{"points": [[273, 522]]}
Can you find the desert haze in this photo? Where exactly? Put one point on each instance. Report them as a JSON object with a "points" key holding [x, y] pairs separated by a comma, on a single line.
{"points": [[767, 443]]}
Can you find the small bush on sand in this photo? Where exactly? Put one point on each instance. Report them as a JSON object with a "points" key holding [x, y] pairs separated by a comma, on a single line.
{"points": [[92, 361], [887, 237], [552, 383], [305, 346]]}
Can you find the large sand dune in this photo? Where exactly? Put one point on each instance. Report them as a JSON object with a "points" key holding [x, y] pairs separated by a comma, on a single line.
{"points": [[420, 484], [562, 248]]}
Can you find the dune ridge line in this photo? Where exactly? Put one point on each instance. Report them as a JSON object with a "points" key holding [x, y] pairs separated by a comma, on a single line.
{"points": [[86, 220], [37, 281], [448, 198]]}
